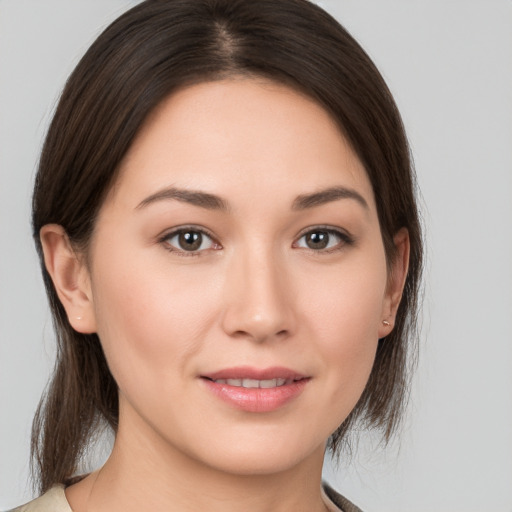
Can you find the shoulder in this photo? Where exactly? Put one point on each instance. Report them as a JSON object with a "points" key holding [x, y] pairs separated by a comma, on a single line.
{"points": [[54, 500], [340, 501]]}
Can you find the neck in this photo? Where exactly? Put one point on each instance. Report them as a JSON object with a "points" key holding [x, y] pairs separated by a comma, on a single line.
{"points": [[145, 473]]}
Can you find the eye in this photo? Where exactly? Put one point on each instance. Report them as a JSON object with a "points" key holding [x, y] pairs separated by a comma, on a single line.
{"points": [[322, 239], [189, 240]]}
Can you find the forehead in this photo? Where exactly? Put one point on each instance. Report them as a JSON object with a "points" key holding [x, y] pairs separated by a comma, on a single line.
{"points": [[240, 137]]}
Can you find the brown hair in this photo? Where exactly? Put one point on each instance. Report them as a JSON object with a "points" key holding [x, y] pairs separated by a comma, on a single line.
{"points": [[139, 60]]}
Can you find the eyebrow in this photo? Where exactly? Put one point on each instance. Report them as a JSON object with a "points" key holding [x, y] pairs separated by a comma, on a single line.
{"points": [[328, 195], [213, 202], [194, 197]]}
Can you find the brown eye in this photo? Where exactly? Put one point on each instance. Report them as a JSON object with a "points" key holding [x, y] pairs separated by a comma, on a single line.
{"points": [[189, 240], [317, 239], [323, 239]]}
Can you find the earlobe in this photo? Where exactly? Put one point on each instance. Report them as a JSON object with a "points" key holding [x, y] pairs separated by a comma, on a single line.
{"points": [[70, 277], [396, 281]]}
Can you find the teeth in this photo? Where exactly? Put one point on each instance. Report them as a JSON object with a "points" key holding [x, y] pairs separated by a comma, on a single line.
{"points": [[253, 383]]}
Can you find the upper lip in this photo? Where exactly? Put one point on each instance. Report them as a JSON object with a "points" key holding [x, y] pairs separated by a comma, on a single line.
{"points": [[248, 372]]}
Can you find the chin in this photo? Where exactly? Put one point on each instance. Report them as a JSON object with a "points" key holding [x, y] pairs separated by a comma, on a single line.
{"points": [[261, 455]]}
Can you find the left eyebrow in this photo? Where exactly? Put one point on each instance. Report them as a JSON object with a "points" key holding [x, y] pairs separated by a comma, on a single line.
{"points": [[328, 195]]}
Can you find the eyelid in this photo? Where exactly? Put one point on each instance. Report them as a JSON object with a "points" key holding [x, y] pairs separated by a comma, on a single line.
{"points": [[343, 234], [170, 233], [345, 237]]}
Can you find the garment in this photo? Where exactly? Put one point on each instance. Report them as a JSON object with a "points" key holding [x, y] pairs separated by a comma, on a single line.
{"points": [[52, 501], [55, 501], [340, 501]]}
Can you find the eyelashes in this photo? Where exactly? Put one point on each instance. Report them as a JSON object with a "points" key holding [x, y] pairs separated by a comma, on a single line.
{"points": [[195, 240], [189, 241], [324, 239]]}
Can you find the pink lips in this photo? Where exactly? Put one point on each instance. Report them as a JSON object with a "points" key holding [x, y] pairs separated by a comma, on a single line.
{"points": [[256, 390]]}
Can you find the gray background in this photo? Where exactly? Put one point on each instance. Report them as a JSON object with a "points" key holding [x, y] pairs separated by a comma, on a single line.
{"points": [[449, 65]]}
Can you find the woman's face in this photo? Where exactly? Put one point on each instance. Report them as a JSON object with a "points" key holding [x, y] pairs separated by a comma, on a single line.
{"points": [[237, 278]]}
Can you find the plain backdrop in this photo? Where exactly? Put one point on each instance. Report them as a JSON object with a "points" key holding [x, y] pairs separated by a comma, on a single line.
{"points": [[449, 65]]}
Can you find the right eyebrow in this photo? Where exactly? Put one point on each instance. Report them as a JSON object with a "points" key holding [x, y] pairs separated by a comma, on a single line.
{"points": [[194, 197]]}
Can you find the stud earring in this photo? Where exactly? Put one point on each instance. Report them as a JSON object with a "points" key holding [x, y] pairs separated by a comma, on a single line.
{"points": [[386, 323]]}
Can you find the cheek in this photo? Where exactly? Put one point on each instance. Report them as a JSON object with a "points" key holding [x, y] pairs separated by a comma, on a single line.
{"points": [[150, 317], [348, 302], [344, 315]]}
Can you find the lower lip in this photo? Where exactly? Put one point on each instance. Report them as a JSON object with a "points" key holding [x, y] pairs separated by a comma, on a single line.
{"points": [[257, 399]]}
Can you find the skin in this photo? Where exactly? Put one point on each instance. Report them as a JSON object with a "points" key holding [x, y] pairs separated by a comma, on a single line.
{"points": [[254, 294]]}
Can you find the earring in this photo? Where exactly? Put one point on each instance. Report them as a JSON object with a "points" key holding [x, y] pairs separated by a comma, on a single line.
{"points": [[79, 318], [386, 323]]}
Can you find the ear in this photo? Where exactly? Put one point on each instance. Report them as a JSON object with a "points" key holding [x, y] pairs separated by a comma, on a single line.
{"points": [[396, 281], [70, 277]]}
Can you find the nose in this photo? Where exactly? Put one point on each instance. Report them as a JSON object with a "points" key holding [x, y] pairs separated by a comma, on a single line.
{"points": [[259, 299]]}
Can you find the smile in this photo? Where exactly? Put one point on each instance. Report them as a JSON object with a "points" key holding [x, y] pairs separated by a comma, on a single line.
{"points": [[256, 390], [254, 383]]}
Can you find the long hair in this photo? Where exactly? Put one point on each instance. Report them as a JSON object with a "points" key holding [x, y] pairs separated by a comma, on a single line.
{"points": [[139, 60]]}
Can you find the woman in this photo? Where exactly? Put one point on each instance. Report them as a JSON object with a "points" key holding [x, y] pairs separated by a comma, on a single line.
{"points": [[225, 214]]}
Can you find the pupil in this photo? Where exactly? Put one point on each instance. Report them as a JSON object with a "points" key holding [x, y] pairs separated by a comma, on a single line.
{"points": [[190, 240], [317, 240]]}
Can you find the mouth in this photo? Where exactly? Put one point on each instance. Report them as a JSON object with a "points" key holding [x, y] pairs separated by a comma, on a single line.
{"points": [[255, 390], [254, 383]]}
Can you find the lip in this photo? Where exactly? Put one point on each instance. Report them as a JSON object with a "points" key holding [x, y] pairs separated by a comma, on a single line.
{"points": [[256, 400], [249, 372]]}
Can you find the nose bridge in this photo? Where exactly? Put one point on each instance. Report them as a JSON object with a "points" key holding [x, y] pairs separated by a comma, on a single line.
{"points": [[258, 304]]}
